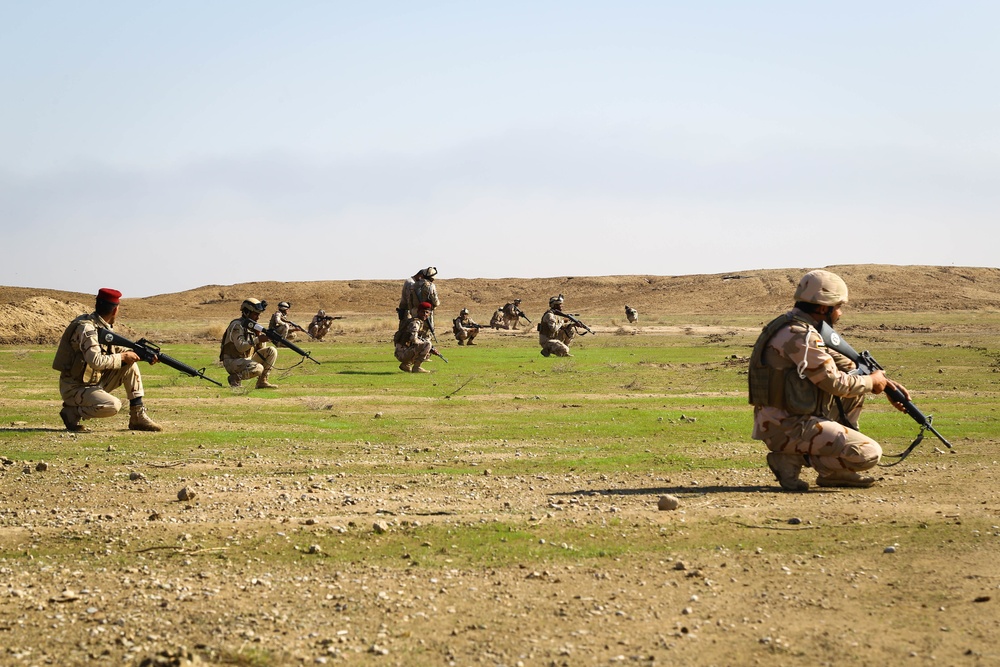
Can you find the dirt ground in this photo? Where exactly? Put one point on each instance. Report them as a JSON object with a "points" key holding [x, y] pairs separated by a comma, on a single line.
{"points": [[906, 572]]}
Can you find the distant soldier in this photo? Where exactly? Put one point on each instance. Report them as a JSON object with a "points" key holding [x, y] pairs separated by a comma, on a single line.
{"points": [[280, 323], [631, 314], [412, 340], [496, 321], [245, 353], [806, 402], [320, 324], [90, 371], [555, 332], [464, 328], [512, 314]]}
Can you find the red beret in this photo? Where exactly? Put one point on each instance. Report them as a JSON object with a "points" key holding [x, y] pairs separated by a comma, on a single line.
{"points": [[426, 306], [109, 295]]}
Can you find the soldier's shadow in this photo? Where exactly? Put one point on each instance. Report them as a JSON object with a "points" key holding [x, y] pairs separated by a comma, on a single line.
{"points": [[32, 429], [675, 490]]}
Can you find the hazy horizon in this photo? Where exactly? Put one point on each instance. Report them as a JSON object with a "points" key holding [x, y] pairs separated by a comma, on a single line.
{"points": [[162, 148]]}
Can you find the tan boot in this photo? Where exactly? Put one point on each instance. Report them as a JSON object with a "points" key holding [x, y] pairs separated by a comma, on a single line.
{"points": [[234, 380], [845, 478], [418, 369], [71, 419], [786, 468], [138, 420], [262, 382], [405, 367], [461, 342]]}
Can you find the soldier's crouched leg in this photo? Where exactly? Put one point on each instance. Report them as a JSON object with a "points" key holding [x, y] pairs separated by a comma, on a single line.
{"points": [[405, 356], [786, 469], [242, 369], [266, 356], [93, 403], [839, 454]]}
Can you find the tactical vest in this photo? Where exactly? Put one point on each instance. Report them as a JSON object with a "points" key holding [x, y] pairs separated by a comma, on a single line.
{"points": [[783, 388], [66, 357], [226, 347]]}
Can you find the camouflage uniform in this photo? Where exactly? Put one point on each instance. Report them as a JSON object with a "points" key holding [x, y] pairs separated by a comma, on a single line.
{"points": [[631, 314], [555, 334], [465, 329], [497, 320], [281, 326], [413, 347], [244, 356], [511, 315], [812, 375], [320, 325], [88, 372]]}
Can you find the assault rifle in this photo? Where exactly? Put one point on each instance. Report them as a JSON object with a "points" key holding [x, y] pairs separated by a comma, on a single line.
{"points": [[149, 352], [278, 340], [330, 318], [866, 365], [520, 313], [435, 352], [575, 321]]}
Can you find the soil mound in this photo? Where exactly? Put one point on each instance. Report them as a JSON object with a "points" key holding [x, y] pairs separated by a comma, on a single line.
{"points": [[874, 287]]}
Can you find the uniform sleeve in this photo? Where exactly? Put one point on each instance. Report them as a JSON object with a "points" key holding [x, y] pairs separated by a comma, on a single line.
{"points": [[804, 347], [86, 335], [237, 336]]}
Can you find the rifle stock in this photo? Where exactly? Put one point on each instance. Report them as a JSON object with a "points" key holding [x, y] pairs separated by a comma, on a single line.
{"points": [[150, 353]]}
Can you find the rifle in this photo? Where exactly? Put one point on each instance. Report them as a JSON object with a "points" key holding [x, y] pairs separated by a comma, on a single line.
{"points": [[149, 352], [298, 328], [438, 354], [520, 313], [328, 318], [278, 340], [575, 321], [866, 365]]}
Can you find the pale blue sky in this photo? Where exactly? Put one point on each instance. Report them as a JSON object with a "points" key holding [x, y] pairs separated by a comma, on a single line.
{"points": [[158, 147]]}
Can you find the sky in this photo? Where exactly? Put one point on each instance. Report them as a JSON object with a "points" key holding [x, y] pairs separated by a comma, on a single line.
{"points": [[160, 147]]}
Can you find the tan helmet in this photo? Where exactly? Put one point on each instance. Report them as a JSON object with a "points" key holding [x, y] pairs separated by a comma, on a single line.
{"points": [[284, 305], [430, 272], [254, 305], [822, 288], [556, 301], [465, 311], [517, 301], [321, 313]]}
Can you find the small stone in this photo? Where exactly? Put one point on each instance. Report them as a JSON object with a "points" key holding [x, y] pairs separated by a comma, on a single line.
{"points": [[111, 448], [378, 415], [26, 470], [185, 494], [889, 550], [315, 549], [310, 522], [795, 521], [679, 565], [668, 502], [136, 476], [41, 466], [380, 527]]}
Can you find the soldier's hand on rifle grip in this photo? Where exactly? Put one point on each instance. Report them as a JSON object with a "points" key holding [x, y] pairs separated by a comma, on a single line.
{"points": [[129, 357], [879, 381]]}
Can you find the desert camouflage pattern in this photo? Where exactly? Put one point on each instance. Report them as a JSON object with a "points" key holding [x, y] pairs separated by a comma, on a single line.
{"points": [[631, 314], [408, 299], [511, 316], [280, 325], [320, 326], [91, 372], [555, 334], [464, 328], [496, 321], [830, 445], [413, 345], [243, 355]]}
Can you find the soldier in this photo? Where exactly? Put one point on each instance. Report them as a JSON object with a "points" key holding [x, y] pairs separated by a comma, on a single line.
{"points": [[806, 404], [496, 321], [416, 289], [413, 345], [555, 332], [631, 314], [464, 328], [280, 323], [245, 353], [512, 314], [320, 324], [89, 372]]}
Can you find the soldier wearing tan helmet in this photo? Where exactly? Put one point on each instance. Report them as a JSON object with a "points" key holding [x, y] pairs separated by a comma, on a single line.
{"points": [[806, 402], [281, 324], [555, 332], [512, 314], [244, 352], [464, 328]]}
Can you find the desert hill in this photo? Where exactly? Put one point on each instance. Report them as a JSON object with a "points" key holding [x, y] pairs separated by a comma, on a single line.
{"points": [[38, 315]]}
